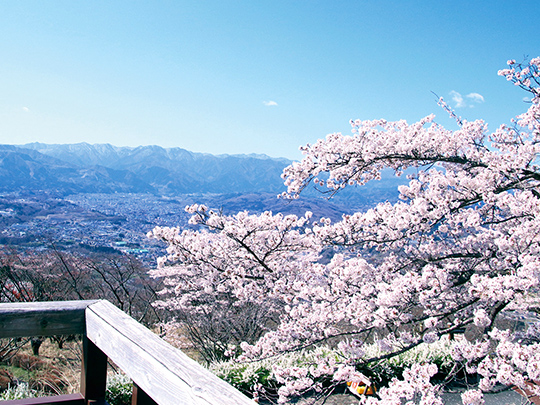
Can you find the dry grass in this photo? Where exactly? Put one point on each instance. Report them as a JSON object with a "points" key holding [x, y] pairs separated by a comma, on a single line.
{"points": [[54, 371], [177, 337]]}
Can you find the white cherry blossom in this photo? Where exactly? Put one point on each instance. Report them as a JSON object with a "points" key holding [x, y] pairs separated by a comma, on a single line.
{"points": [[459, 251]]}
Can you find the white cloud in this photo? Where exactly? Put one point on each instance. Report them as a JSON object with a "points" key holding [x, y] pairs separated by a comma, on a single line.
{"points": [[477, 98], [269, 103], [468, 101], [25, 109], [458, 99]]}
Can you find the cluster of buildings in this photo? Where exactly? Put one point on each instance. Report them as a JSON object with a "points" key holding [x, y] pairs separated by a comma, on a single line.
{"points": [[101, 222]]}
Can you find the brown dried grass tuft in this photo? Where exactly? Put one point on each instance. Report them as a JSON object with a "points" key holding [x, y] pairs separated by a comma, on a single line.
{"points": [[55, 371]]}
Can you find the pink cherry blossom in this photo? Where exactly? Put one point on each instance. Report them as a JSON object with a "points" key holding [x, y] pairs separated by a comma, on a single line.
{"points": [[458, 252]]}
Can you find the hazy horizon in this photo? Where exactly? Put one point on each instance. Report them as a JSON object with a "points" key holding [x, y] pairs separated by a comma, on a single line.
{"points": [[148, 145]]}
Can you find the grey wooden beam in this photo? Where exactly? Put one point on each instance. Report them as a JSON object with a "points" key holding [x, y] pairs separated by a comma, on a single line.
{"points": [[42, 318], [164, 373], [139, 397]]}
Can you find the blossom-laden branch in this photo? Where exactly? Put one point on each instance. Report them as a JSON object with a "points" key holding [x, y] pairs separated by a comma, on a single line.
{"points": [[460, 250]]}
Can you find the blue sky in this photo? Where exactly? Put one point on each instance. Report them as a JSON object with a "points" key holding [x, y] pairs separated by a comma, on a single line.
{"points": [[251, 76]]}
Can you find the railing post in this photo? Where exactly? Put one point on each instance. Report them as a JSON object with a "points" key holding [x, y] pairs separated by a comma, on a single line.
{"points": [[140, 397], [94, 373]]}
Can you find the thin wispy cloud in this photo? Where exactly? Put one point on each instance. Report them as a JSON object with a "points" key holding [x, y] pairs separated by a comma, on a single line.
{"points": [[475, 97], [25, 109], [457, 99], [468, 101], [270, 103]]}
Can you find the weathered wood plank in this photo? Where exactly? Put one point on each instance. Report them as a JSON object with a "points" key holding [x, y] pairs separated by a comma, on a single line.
{"points": [[42, 318], [70, 399], [139, 397], [166, 374]]}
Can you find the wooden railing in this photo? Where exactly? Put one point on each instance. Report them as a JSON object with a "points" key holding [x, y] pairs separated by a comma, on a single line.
{"points": [[161, 374]]}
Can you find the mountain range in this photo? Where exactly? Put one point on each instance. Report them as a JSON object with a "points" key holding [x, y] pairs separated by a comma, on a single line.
{"points": [[65, 169], [104, 168]]}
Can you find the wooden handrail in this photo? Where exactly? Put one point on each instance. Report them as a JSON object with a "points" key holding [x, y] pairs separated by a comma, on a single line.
{"points": [[161, 373], [25, 319]]}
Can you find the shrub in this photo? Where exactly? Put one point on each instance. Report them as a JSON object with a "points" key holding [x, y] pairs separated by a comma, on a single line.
{"points": [[264, 375], [20, 391], [119, 390]]}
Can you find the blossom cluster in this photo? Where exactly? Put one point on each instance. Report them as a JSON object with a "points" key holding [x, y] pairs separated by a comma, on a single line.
{"points": [[459, 250]]}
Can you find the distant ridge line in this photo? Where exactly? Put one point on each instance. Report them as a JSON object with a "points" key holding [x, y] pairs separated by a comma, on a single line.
{"points": [[106, 168]]}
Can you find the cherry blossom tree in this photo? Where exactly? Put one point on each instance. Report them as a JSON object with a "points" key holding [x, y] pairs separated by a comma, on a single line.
{"points": [[457, 255], [222, 277]]}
